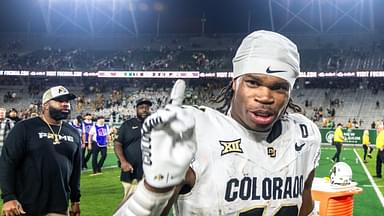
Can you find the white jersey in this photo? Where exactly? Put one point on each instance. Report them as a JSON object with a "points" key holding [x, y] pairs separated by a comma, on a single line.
{"points": [[239, 173]]}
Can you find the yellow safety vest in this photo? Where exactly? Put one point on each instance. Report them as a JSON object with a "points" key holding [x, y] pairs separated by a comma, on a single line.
{"points": [[366, 139], [380, 140], [338, 136]]}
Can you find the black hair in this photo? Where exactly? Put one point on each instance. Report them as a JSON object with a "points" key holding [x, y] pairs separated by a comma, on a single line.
{"points": [[224, 97], [79, 118], [226, 94]]}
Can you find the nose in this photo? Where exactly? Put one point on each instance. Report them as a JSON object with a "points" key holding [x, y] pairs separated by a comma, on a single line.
{"points": [[264, 95], [146, 109]]}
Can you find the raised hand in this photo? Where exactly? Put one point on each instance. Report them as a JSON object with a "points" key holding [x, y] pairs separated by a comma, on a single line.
{"points": [[168, 142]]}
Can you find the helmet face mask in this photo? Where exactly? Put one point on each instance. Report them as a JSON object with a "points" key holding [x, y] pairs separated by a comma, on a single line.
{"points": [[341, 174]]}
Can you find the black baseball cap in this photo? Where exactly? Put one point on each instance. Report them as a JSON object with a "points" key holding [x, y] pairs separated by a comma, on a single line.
{"points": [[143, 101]]}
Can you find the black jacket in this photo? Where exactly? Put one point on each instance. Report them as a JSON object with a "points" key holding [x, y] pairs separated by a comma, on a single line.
{"points": [[41, 175]]}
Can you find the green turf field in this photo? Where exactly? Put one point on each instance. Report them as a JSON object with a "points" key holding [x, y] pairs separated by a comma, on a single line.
{"points": [[101, 194], [366, 203]]}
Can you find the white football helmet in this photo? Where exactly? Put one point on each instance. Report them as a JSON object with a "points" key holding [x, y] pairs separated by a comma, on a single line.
{"points": [[341, 174]]}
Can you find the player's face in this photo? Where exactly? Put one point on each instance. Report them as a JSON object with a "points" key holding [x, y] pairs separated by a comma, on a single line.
{"points": [[259, 100], [143, 111], [59, 109]]}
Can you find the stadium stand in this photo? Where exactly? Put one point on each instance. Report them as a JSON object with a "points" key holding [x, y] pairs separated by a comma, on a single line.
{"points": [[323, 99]]}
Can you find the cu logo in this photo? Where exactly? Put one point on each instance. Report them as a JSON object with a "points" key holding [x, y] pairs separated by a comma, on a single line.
{"points": [[329, 136]]}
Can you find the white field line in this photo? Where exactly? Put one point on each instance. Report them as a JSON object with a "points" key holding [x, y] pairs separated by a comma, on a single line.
{"points": [[373, 183]]}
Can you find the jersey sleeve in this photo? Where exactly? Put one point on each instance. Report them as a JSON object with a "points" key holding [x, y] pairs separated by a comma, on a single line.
{"points": [[309, 134], [316, 146], [315, 143]]}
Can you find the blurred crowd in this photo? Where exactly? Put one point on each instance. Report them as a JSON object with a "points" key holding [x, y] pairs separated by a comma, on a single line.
{"points": [[202, 54]]}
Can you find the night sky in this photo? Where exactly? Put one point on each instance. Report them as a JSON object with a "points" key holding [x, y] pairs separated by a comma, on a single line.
{"points": [[184, 16]]}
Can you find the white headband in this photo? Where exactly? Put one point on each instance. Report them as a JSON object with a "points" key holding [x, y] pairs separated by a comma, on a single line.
{"points": [[267, 52]]}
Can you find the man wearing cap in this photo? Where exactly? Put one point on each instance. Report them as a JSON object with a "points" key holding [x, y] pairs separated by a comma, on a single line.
{"points": [[257, 159], [41, 162], [99, 138], [127, 147]]}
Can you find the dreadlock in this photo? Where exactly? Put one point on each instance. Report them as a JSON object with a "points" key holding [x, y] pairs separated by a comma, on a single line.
{"points": [[225, 97], [294, 107]]}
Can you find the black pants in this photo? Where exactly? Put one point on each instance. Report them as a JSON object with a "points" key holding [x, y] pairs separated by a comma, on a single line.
{"points": [[366, 147], [379, 161], [86, 156], [336, 157], [97, 165]]}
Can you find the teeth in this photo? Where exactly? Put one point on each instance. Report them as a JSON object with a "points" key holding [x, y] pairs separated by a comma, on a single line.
{"points": [[262, 114]]}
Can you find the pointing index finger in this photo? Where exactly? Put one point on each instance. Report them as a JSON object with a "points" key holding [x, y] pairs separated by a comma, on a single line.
{"points": [[178, 93]]}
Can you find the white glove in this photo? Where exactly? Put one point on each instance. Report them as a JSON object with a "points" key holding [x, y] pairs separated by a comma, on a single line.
{"points": [[168, 143]]}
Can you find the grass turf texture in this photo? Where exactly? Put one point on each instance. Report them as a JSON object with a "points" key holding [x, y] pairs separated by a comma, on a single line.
{"points": [[366, 203], [102, 194]]}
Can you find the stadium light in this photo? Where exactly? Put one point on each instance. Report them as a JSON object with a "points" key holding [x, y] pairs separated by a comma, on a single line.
{"points": [[159, 7]]}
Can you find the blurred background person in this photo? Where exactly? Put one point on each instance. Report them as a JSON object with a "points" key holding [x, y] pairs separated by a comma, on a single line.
{"points": [[380, 150], [77, 124], [99, 137], [128, 147], [14, 115], [338, 139], [5, 126], [366, 146], [87, 124]]}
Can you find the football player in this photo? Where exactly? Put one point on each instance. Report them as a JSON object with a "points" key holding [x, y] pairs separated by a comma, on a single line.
{"points": [[257, 159]]}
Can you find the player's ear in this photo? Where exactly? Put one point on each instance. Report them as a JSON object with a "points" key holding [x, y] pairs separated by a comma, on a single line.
{"points": [[234, 84], [45, 106]]}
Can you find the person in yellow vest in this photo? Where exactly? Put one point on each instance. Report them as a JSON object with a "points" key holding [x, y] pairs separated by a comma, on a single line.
{"points": [[338, 138], [366, 146], [380, 150]]}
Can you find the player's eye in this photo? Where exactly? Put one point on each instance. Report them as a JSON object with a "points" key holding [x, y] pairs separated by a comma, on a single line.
{"points": [[280, 87], [252, 83]]}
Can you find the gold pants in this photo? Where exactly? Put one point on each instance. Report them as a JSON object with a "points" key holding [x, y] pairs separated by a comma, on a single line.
{"points": [[129, 188], [56, 214]]}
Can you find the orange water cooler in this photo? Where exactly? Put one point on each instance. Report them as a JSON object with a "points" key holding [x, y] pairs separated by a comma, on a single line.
{"points": [[333, 200]]}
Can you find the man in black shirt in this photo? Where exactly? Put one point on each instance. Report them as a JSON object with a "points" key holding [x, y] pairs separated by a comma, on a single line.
{"points": [[128, 149], [41, 161]]}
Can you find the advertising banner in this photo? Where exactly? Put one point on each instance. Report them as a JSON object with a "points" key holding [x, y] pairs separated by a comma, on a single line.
{"points": [[352, 136]]}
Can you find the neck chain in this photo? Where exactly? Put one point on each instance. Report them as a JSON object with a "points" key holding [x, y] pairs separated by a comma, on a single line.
{"points": [[56, 136]]}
